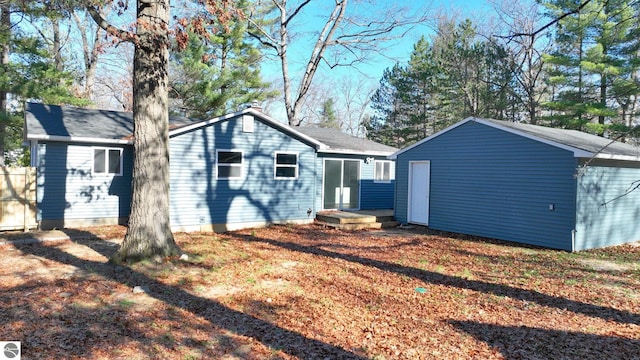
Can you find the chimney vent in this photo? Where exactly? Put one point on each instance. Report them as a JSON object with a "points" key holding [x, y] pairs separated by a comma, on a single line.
{"points": [[256, 106]]}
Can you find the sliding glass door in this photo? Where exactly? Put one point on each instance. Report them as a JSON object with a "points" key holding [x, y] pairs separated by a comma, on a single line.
{"points": [[341, 184]]}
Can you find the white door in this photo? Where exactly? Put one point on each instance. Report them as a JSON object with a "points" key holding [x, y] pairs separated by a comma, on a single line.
{"points": [[419, 177]]}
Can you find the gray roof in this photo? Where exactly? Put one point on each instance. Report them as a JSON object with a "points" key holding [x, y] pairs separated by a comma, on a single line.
{"points": [[51, 121], [576, 139], [339, 142], [583, 145], [66, 123]]}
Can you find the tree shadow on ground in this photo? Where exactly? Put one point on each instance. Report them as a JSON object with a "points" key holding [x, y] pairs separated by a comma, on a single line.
{"points": [[603, 312], [526, 342], [218, 315]]}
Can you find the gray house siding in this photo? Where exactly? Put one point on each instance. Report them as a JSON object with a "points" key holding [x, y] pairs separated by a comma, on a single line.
{"points": [[200, 200], [605, 215], [69, 194], [372, 195], [492, 183]]}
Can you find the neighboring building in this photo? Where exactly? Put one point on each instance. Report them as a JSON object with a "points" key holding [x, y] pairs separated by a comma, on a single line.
{"points": [[239, 170], [555, 188]]}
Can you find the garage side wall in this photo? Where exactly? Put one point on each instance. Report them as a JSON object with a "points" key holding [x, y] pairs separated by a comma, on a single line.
{"points": [[608, 210], [492, 183]]}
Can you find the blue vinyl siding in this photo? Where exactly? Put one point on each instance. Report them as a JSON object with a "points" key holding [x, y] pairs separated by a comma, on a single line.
{"points": [[198, 197], [376, 195], [605, 215], [373, 196], [67, 189], [492, 183]]}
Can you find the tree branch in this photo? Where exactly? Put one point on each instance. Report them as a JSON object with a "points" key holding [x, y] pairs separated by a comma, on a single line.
{"points": [[295, 12], [551, 23], [110, 29]]}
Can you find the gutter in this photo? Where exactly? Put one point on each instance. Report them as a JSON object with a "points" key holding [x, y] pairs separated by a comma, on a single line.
{"points": [[75, 139]]}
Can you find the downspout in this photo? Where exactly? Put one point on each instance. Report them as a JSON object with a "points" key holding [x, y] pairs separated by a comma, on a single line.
{"points": [[573, 240]]}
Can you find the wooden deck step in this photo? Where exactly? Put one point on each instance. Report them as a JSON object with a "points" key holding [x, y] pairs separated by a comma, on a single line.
{"points": [[363, 226], [345, 218], [358, 220]]}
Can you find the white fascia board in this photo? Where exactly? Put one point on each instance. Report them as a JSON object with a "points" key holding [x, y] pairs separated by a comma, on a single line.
{"points": [[76, 139], [266, 118], [203, 123], [351, 152], [615, 157]]}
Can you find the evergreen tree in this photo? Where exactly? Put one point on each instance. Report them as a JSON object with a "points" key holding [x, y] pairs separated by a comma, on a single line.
{"points": [[328, 116], [27, 71], [420, 91], [587, 63], [458, 75], [477, 75], [217, 74], [387, 125]]}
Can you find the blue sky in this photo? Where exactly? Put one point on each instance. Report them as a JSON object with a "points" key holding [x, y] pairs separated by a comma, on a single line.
{"points": [[396, 51]]}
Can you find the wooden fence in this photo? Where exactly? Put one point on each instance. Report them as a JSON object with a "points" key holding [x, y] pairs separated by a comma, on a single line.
{"points": [[18, 201]]}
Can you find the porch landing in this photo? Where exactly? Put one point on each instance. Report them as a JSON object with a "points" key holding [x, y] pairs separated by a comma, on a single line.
{"points": [[358, 219]]}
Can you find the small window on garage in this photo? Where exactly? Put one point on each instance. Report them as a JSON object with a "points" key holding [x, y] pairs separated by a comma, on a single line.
{"points": [[383, 171], [286, 165], [107, 161], [229, 164]]}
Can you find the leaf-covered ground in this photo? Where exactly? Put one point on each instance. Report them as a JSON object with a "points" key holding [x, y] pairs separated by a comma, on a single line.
{"points": [[308, 292]]}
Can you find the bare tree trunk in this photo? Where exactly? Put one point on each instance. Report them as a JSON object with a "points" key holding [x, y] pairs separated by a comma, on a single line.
{"points": [[350, 38], [5, 31], [57, 46], [90, 55], [149, 234]]}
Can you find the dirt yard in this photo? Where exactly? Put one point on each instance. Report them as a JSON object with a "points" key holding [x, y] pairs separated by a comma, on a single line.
{"points": [[308, 292]]}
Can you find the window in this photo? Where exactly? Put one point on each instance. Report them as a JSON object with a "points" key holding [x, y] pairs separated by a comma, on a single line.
{"points": [[286, 166], [229, 164], [383, 171], [107, 161]]}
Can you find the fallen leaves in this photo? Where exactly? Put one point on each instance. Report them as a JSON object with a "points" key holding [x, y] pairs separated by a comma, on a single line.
{"points": [[298, 292]]}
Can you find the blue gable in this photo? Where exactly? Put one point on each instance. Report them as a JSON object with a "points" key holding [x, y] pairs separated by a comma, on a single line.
{"points": [[491, 183], [200, 198], [548, 187]]}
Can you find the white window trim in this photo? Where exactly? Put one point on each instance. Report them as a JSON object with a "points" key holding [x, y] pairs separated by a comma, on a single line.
{"points": [[276, 166], [106, 161], [375, 166], [241, 165]]}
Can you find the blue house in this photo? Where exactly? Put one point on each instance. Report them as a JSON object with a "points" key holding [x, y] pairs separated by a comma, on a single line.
{"points": [[555, 188], [240, 170]]}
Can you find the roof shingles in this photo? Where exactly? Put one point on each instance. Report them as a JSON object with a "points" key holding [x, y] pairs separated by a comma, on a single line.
{"points": [[65, 122]]}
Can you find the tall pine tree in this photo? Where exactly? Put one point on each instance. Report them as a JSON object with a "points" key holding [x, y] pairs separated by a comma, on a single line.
{"points": [[587, 62], [214, 75]]}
